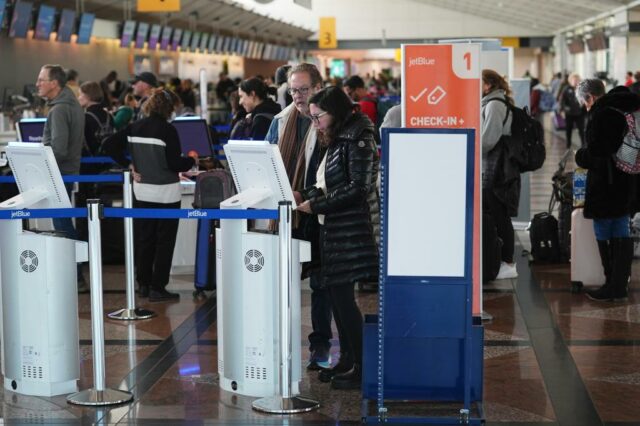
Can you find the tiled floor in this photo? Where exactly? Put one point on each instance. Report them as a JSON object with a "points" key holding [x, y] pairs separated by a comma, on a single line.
{"points": [[550, 357]]}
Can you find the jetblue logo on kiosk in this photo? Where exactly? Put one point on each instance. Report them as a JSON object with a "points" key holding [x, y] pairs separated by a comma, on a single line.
{"points": [[20, 214], [197, 213]]}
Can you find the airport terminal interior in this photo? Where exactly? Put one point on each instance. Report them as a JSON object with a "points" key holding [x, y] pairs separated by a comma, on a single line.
{"points": [[151, 100]]}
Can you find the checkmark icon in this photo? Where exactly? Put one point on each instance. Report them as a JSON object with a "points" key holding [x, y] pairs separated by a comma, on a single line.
{"points": [[416, 98]]}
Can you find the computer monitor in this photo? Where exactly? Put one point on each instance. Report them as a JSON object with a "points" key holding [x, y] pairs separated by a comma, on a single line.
{"points": [[204, 43], [194, 135], [21, 19], [154, 36], [259, 174], [3, 6], [30, 129], [128, 28], [37, 176], [165, 40], [66, 26], [85, 28], [141, 35], [177, 37], [186, 41], [44, 24], [195, 41]]}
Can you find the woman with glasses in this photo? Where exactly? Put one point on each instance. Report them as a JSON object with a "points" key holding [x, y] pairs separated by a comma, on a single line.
{"points": [[157, 160], [260, 109], [344, 197]]}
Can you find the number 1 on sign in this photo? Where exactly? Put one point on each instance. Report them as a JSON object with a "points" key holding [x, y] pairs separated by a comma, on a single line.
{"points": [[467, 59]]}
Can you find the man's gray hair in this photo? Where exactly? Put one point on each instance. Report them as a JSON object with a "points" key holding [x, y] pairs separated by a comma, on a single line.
{"points": [[56, 72], [589, 87], [310, 69]]}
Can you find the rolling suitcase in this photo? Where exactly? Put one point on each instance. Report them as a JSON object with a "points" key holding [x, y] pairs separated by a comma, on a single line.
{"points": [[212, 187], [586, 267]]}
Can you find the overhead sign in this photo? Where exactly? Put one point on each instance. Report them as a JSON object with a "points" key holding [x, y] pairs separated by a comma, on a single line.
{"points": [[441, 89], [327, 34], [158, 5]]}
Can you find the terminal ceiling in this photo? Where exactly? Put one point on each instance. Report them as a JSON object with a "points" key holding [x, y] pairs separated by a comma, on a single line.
{"points": [[270, 21], [545, 15]]}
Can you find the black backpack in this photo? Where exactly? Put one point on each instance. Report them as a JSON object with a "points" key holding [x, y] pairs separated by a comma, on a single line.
{"points": [[543, 232], [526, 146], [105, 130], [242, 129]]}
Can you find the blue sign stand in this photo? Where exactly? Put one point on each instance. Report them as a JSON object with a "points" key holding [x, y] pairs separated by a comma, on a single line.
{"points": [[423, 345]]}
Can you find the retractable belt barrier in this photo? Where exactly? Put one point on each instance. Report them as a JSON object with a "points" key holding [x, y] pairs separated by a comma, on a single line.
{"points": [[100, 395], [117, 178], [141, 213]]}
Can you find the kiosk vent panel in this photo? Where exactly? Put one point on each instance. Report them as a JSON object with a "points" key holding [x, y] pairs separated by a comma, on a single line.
{"points": [[31, 372], [28, 261], [254, 260], [255, 373]]}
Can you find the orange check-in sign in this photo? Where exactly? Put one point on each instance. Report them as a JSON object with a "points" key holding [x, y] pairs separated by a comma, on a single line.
{"points": [[441, 89]]}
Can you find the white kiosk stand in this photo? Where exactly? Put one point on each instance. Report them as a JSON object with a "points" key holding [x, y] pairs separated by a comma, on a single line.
{"points": [[40, 347], [248, 276]]}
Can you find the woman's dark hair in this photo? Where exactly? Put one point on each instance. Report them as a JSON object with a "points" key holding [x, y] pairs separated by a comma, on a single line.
{"points": [[256, 86], [495, 82], [338, 104], [162, 102], [93, 91]]}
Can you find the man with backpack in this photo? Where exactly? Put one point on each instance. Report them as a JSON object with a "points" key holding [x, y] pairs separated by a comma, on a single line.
{"points": [[610, 191], [98, 122]]}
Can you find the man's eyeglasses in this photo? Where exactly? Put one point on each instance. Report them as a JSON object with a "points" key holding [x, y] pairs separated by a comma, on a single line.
{"points": [[316, 117], [302, 91], [42, 80]]}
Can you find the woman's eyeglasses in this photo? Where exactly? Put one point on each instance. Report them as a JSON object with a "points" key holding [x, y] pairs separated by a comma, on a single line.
{"points": [[316, 117]]}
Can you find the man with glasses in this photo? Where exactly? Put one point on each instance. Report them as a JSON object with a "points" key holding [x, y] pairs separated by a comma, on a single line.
{"points": [[64, 132], [291, 129]]}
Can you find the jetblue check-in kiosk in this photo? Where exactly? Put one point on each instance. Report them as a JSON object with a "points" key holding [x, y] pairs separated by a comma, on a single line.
{"points": [[423, 345], [247, 277], [40, 348]]}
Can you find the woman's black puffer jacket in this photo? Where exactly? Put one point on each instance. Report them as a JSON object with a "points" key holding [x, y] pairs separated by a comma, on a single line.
{"points": [[610, 192], [348, 250]]}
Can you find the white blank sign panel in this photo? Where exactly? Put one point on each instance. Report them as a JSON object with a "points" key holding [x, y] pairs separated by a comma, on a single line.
{"points": [[427, 178]]}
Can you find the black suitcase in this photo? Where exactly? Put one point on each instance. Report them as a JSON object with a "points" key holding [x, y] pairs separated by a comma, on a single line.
{"points": [[543, 232], [564, 231], [491, 249], [212, 187]]}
